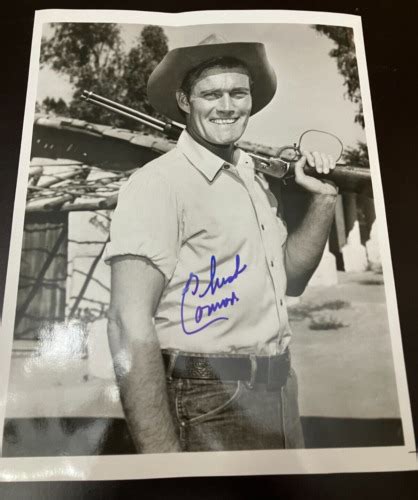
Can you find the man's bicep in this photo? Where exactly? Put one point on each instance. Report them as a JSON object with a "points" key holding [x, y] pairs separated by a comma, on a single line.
{"points": [[136, 288]]}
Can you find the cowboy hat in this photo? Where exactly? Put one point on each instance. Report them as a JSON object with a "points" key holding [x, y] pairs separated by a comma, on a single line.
{"points": [[169, 74]]}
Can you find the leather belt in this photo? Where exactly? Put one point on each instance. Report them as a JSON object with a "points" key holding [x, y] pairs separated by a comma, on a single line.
{"points": [[270, 370]]}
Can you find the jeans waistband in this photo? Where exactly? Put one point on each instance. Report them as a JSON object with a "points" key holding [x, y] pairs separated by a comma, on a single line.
{"points": [[270, 370]]}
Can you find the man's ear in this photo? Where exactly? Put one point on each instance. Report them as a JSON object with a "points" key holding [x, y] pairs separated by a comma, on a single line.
{"points": [[183, 101]]}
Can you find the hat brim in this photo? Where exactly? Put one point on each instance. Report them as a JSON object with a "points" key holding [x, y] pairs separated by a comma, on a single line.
{"points": [[168, 76]]}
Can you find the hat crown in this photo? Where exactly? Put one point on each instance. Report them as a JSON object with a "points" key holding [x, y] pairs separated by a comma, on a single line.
{"points": [[213, 39]]}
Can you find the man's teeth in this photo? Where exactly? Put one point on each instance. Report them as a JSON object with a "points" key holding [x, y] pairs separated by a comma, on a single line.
{"points": [[225, 121]]}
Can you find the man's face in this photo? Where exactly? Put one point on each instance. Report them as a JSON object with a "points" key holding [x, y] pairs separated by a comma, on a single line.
{"points": [[219, 105]]}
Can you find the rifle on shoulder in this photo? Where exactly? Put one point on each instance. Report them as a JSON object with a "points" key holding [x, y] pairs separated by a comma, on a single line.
{"points": [[346, 177]]}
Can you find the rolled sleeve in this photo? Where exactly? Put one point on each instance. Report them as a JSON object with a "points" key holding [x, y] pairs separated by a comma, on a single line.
{"points": [[146, 221]]}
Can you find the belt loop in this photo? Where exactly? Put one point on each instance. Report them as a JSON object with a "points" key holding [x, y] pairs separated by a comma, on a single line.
{"points": [[253, 361], [172, 363]]}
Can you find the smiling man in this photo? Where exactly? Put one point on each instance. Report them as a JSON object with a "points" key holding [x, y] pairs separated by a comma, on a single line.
{"points": [[217, 103], [201, 263]]}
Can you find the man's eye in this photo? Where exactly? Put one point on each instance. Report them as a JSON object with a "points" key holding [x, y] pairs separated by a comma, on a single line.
{"points": [[240, 95], [212, 95]]}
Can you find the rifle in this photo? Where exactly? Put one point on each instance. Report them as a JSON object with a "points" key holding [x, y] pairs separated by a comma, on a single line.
{"points": [[346, 177]]}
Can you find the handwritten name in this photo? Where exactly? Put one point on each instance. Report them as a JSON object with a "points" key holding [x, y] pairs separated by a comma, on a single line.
{"points": [[216, 283]]}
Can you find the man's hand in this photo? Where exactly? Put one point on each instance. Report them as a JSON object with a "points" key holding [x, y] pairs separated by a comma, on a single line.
{"points": [[323, 164]]}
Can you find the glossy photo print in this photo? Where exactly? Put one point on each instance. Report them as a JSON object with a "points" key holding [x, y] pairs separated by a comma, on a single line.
{"points": [[200, 263]]}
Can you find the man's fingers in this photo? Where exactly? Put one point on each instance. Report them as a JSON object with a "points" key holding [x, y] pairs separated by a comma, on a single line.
{"points": [[322, 162], [325, 163], [299, 173], [318, 161], [309, 157]]}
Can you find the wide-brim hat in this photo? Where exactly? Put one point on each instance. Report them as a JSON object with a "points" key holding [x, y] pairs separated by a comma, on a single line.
{"points": [[169, 74]]}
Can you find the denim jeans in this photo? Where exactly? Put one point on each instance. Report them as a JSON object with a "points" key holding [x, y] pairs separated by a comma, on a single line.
{"points": [[214, 415]]}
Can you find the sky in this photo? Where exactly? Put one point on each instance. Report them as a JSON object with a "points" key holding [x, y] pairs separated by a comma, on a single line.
{"points": [[311, 92]]}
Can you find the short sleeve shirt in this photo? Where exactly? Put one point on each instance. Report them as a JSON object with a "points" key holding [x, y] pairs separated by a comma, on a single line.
{"points": [[214, 232]]}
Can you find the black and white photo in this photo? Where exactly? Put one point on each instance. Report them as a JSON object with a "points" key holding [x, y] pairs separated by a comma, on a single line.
{"points": [[200, 263]]}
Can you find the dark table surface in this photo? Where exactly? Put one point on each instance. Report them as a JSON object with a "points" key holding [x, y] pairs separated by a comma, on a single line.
{"points": [[391, 41]]}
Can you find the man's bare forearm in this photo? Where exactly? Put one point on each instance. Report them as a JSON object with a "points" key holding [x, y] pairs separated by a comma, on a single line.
{"points": [[141, 377], [305, 246]]}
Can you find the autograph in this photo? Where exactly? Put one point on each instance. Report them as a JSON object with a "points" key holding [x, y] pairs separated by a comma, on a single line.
{"points": [[215, 283]]}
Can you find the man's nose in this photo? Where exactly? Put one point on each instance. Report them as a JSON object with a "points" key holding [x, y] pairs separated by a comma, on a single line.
{"points": [[225, 104]]}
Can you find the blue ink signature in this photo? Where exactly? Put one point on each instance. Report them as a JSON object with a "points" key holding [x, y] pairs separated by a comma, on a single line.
{"points": [[214, 284]]}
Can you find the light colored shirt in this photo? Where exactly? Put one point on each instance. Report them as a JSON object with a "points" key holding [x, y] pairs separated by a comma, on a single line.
{"points": [[213, 231]]}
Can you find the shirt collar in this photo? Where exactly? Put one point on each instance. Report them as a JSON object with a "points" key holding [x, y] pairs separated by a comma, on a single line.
{"points": [[200, 157]]}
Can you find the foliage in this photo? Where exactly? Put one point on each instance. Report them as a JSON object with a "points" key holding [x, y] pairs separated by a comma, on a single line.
{"points": [[58, 106], [345, 54], [326, 322], [358, 156], [92, 57], [305, 310], [320, 315]]}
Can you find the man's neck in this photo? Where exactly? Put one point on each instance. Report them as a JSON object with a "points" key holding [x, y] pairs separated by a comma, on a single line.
{"points": [[226, 152]]}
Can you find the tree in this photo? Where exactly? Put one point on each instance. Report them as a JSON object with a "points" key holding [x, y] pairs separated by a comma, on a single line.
{"points": [[141, 61], [358, 156], [58, 106], [92, 56], [345, 54]]}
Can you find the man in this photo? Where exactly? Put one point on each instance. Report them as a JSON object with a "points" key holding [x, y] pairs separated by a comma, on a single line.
{"points": [[201, 262]]}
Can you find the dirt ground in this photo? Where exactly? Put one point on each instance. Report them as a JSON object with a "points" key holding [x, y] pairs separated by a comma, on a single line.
{"points": [[341, 350]]}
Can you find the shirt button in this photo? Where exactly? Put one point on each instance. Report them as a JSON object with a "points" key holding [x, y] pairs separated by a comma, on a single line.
{"points": [[226, 166], [272, 263], [183, 423], [262, 227], [281, 302]]}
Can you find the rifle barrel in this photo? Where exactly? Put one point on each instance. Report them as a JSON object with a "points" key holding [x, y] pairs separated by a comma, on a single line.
{"points": [[88, 95], [124, 113]]}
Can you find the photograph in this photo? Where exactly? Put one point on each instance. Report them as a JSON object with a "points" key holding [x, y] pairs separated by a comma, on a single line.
{"points": [[199, 261]]}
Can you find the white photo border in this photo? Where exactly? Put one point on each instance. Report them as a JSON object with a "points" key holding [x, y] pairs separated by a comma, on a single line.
{"points": [[370, 459]]}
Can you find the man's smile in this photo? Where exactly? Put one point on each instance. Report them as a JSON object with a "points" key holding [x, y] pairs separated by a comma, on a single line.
{"points": [[224, 121]]}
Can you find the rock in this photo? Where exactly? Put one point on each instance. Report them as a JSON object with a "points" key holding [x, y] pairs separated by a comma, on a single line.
{"points": [[354, 253], [326, 272], [372, 248]]}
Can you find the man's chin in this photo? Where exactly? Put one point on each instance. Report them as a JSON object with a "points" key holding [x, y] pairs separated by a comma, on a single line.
{"points": [[227, 139]]}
